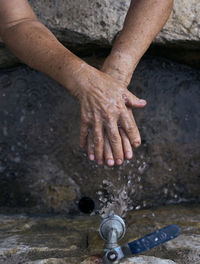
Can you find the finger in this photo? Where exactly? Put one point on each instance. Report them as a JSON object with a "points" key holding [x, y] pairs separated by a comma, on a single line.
{"points": [[98, 142], [90, 146], [108, 156], [126, 144], [127, 122], [132, 101], [83, 134], [115, 142]]}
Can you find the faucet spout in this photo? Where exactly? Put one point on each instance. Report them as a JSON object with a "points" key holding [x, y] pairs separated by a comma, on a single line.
{"points": [[112, 239]]}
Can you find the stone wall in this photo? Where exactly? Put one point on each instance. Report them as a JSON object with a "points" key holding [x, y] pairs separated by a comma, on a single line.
{"points": [[41, 165], [43, 169], [99, 21], [83, 24]]}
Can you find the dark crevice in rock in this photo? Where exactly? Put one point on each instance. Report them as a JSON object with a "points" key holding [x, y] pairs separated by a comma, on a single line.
{"points": [[189, 57]]}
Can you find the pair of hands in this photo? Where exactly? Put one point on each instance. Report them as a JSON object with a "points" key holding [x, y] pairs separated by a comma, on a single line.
{"points": [[108, 127]]}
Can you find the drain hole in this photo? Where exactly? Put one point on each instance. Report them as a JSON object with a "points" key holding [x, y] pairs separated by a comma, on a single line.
{"points": [[86, 205]]}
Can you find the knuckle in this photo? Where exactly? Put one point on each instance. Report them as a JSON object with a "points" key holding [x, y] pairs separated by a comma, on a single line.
{"points": [[124, 112], [91, 146], [114, 139], [120, 108], [136, 142], [83, 130], [110, 118], [98, 140], [82, 134], [130, 129], [85, 119], [82, 142]]}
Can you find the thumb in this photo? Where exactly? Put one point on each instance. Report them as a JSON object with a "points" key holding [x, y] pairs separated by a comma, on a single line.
{"points": [[132, 101]]}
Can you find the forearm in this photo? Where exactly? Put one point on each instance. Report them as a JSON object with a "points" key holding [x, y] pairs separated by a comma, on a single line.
{"points": [[144, 20], [36, 46]]}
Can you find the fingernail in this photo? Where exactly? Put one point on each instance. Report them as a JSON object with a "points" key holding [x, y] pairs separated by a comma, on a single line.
{"points": [[129, 155], [141, 101], [100, 162], [91, 156], [110, 162], [119, 161]]}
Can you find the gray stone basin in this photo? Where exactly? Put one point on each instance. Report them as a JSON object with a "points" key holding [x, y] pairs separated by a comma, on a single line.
{"points": [[48, 239]]}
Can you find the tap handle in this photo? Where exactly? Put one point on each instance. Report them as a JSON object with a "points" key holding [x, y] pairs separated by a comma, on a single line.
{"points": [[154, 239], [143, 244]]}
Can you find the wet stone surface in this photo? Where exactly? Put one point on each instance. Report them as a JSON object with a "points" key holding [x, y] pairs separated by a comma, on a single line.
{"points": [[134, 260], [66, 239], [43, 170]]}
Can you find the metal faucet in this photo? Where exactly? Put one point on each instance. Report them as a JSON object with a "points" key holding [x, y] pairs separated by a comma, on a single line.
{"points": [[113, 228]]}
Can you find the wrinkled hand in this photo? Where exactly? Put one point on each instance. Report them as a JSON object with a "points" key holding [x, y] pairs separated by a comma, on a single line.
{"points": [[103, 103], [122, 76]]}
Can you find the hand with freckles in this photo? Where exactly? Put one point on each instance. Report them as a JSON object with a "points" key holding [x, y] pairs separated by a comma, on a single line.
{"points": [[104, 103], [143, 22], [109, 157]]}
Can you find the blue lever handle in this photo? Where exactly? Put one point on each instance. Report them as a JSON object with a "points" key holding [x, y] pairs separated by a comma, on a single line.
{"points": [[154, 239]]}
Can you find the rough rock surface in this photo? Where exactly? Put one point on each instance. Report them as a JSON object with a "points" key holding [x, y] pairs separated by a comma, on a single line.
{"points": [[82, 24], [99, 21], [42, 168], [182, 27], [72, 240]]}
